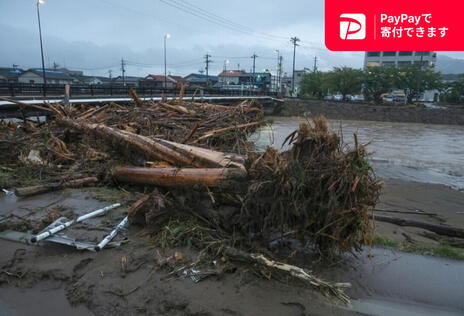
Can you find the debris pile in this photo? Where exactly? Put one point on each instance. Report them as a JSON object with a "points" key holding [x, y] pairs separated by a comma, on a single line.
{"points": [[204, 185]]}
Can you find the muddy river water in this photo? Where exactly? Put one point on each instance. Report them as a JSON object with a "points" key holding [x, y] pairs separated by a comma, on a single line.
{"points": [[391, 282], [413, 152]]}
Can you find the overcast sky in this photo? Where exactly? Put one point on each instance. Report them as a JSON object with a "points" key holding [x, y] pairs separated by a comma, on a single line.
{"points": [[93, 35]]}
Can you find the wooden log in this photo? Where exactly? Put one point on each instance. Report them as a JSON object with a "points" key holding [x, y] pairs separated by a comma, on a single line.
{"points": [[192, 131], [23, 105], [134, 209], [180, 177], [38, 189], [177, 108], [181, 94], [439, 229], [226, 130], [136, 98], [171, 152]]}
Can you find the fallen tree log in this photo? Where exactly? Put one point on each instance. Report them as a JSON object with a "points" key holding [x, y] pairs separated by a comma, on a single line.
{"points": [[439, 229], [171, 152], [38, 189], [226, 130], [180, 177]]}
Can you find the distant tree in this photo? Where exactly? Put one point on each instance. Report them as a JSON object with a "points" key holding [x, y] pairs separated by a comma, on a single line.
{"points": [[345, 80], [415, 79], [453, 91], [378, 80], [314, 84]]}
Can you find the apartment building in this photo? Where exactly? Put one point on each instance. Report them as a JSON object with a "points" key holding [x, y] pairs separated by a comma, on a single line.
{"points": [[400, 58]]}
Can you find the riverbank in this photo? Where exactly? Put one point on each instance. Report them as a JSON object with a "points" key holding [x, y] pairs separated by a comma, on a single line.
{"points": [[84, 283], [452, 115]]}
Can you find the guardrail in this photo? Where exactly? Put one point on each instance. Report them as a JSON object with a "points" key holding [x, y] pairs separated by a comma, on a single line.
{"points": [[37, 90]]}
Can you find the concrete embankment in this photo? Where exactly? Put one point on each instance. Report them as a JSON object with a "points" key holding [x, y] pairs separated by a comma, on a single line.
{"points": [[452, 115]]}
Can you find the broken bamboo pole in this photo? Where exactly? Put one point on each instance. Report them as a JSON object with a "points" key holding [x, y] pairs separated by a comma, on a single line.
{"points": [[180, 177], [439, 229], [38, 189], [171, 152]]}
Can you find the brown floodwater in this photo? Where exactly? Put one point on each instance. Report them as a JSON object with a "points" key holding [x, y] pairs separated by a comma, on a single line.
{"points": [[413, 152]]}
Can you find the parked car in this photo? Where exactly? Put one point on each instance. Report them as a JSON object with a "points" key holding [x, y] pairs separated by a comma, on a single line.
{"points": [[357, 97], [338, 97], [328, 97]]}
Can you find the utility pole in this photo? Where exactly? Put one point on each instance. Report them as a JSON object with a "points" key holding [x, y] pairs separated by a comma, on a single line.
{"points": [[39, 2], [207, 61], [315, 64], [166, 36], [123, 70], [254, 65], [419, 77], [294, 40], [279, 77], [277, 70]]}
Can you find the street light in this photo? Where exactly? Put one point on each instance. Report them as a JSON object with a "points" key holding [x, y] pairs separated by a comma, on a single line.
{"points": [[278, 69], [39, 2], [166, 36]]}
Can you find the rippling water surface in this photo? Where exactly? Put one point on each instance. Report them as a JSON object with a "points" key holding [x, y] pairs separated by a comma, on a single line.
{"points": [[415, 152]]}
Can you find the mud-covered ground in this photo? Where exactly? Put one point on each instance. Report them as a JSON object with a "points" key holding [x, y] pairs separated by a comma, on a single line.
{"points": [[58, 280]]}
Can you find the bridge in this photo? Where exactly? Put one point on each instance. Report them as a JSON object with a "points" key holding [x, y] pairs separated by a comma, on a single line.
{"points": [[10, 109]]}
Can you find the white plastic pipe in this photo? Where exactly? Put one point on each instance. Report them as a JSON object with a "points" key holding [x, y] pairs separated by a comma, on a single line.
{"points": [[109, 237], [81, 218]]}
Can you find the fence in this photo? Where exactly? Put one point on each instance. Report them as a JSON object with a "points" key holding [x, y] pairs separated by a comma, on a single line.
{"points": [[37, 90]]}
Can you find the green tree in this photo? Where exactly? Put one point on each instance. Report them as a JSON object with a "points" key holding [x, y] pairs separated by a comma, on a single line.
{"points": [[314, 84], [378, 80], [415, 79], [345, 80], [453, 91]]}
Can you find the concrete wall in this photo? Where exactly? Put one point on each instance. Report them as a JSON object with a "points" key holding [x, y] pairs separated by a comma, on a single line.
{"points": [[389, 113]]}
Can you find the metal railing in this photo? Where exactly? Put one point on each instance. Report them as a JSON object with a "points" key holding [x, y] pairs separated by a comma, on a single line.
{"points": [[37, 90]]}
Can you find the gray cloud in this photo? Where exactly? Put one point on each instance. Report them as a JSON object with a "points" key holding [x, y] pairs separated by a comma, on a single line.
{"points": [[95, 34]]}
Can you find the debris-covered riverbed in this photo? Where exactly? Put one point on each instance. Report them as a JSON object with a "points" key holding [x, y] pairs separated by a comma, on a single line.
{"points": [[173, 192]]}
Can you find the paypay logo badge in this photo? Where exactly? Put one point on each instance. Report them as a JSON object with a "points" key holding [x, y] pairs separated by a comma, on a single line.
{"points": [[352, 26]]}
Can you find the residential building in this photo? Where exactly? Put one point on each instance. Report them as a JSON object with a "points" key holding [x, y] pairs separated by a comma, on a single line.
{"points": [[53, 76], [400, 58], [11, 74], [3, 79], [95, 80], [128, 81], [200, 80], [234, 77], [157, 82]]}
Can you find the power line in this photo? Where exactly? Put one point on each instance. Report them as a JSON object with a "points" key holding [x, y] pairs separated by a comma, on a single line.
{"points": [[178, 5]]}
